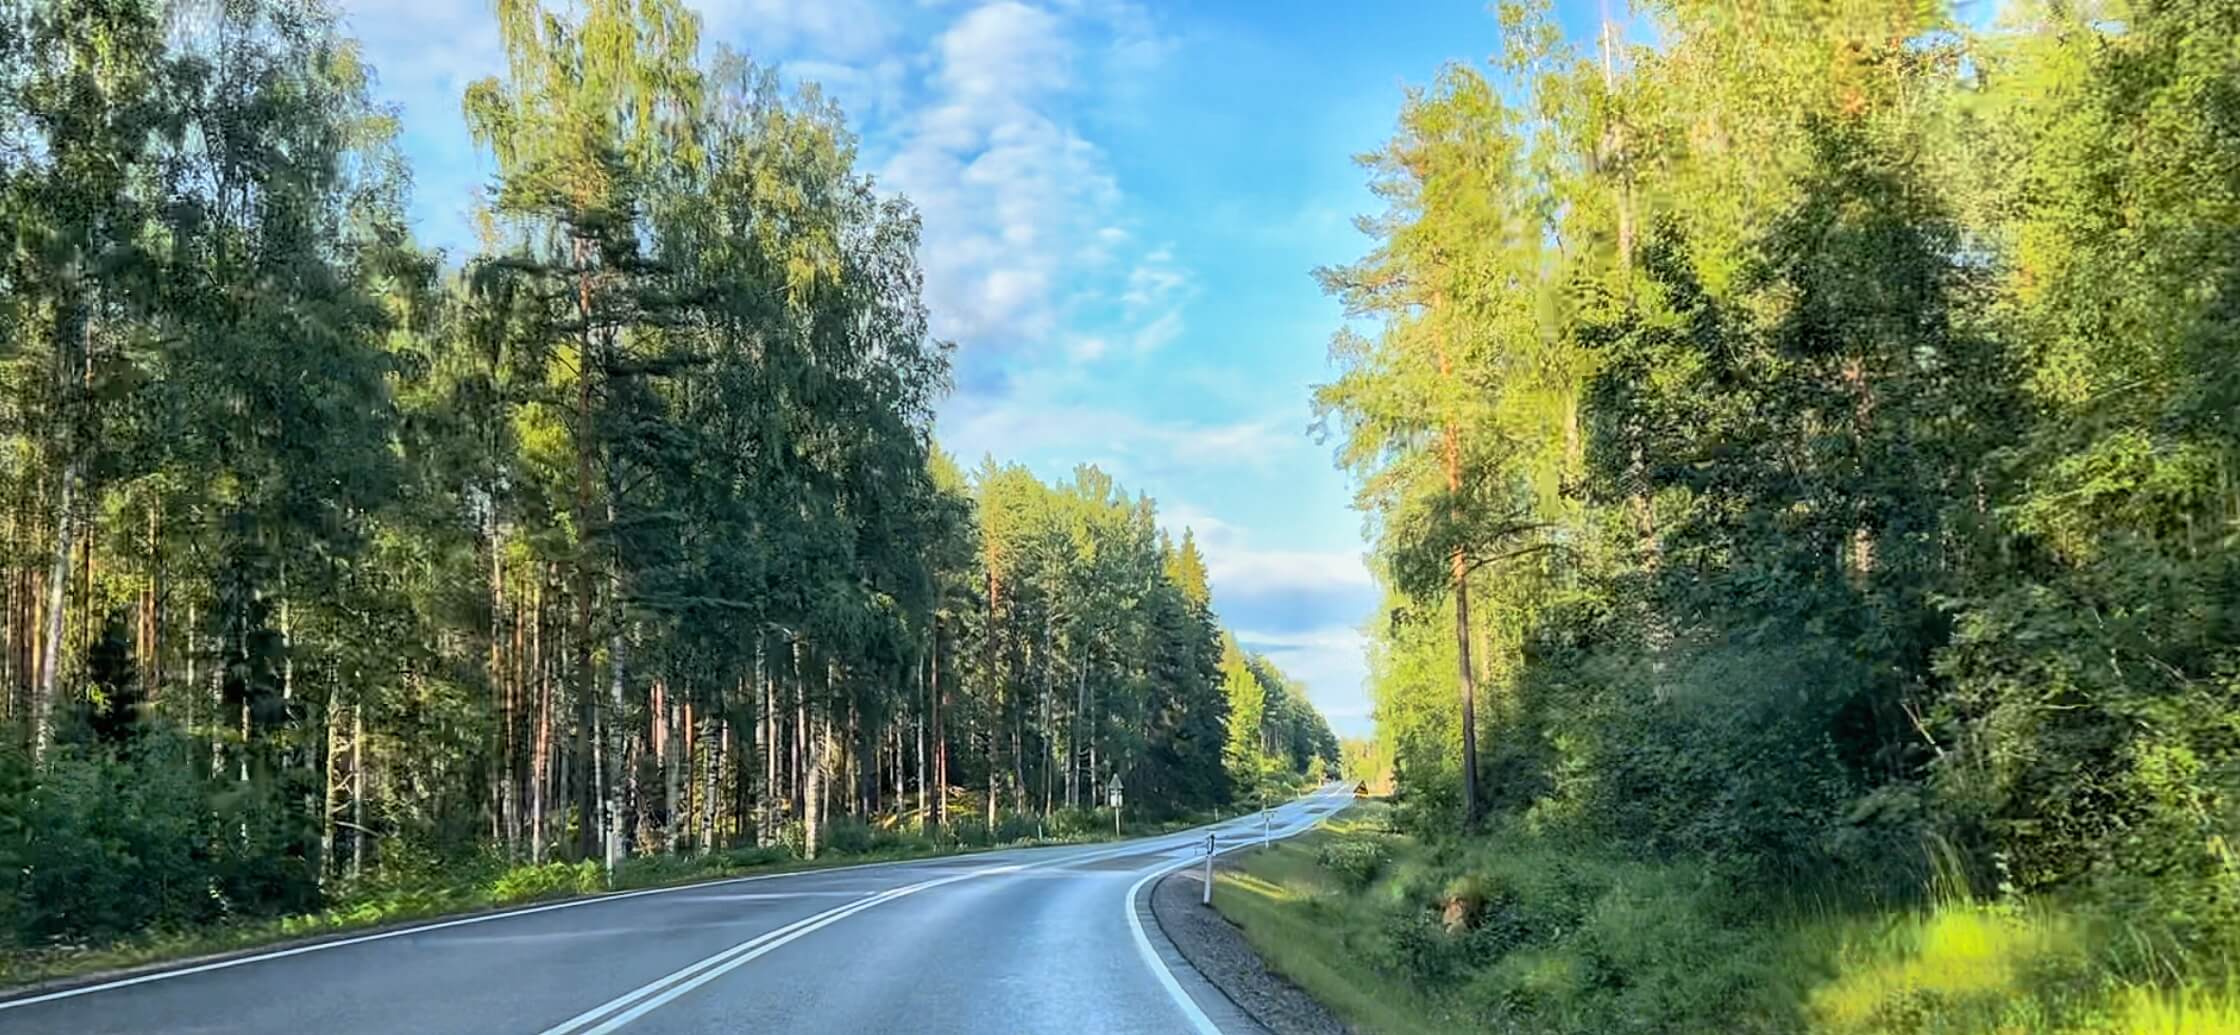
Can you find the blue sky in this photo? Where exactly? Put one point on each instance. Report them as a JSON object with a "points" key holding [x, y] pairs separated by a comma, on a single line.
{"points": [[1122, 205]]}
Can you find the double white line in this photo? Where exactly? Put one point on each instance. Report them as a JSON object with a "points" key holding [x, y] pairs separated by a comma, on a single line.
{"points": [[654, 994]]}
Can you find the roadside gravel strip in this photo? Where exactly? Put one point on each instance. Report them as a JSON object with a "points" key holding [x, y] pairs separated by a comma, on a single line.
{"points": [[1219, 952]]}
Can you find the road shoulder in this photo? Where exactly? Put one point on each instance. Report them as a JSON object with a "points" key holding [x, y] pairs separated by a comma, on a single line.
{"points": [[1218, 954]]}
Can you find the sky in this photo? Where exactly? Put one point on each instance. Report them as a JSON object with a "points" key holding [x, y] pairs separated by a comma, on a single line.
{"points": [[1123, 203]]}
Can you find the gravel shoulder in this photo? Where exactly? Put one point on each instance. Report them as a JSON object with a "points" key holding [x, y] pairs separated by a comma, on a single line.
{"points": [[1219, 952]]}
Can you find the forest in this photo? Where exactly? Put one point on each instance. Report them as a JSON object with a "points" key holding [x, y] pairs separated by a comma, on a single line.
{"points": [[332, 563], [1799, 444]]}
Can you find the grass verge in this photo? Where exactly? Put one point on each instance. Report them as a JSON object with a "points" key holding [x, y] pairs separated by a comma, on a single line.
{"points": [[1513, 933]]}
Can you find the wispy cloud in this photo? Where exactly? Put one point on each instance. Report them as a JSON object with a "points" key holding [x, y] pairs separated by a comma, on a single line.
{"points": [[1331, 664], [1018, 204], [854, 31], [1131, 445], [1238, 567]]}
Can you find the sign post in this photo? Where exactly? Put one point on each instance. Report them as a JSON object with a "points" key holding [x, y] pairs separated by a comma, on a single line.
{"points": [[1207, 898], [1115, 799]]}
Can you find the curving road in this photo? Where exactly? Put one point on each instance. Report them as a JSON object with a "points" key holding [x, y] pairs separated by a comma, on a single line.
{"points": [[1023, 940]]}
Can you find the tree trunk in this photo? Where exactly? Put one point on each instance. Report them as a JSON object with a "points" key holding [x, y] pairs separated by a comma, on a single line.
{"points": [[331, 804], [812, 813], [1049, 740], [1469, 692], [617, 725], [920, 729], [1452, 437], [357, 791], [672, 721], [940, 814], [540, 764], [58, 580], [798, 780]]}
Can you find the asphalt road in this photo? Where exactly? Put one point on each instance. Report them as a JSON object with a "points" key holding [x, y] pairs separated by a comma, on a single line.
{"points": [[1023, 940]]}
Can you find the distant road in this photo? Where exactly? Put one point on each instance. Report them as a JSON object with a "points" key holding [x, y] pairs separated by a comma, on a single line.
{"points": [[1022, 940]]}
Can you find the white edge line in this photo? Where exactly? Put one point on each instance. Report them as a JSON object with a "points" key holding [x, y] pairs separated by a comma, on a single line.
{"points": [[1199, 1022]]}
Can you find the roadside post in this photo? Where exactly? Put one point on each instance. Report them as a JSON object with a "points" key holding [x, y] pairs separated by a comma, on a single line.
{"points": [[1115, 799], [1267, 826], [1206, 899]]}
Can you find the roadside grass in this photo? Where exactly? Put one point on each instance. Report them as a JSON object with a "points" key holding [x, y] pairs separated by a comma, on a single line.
{"points": [[1513, 932], [460, 888], [1299, 914]]}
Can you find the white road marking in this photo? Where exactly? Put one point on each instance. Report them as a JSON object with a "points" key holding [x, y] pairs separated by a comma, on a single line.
{"points": [[663, 990], [700, 973], [762, 942], [480, 918]]}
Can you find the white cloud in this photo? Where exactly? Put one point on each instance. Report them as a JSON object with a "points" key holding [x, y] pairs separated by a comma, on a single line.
{"points": [[1266, 572], [1024, 216], [1339, 638], [1331, 662], [1128, 444], [1151, 336], [847, 30], [1005, 53], [1240, 569]]}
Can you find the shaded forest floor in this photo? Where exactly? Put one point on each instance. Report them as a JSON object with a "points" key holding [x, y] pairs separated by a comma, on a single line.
{"points": [[484, 885], [1509, 932]]}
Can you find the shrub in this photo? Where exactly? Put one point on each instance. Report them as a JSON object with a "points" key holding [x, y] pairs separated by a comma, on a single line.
{"points": [[1074, 823], [747, 857], [848, 835], [1016, 827], [1356, 861], [967, 830], [104, 842], [547, 880]]}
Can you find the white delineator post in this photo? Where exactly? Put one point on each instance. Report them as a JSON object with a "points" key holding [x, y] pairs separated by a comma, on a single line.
{"points": [[1206, 899], [1267, 826]]}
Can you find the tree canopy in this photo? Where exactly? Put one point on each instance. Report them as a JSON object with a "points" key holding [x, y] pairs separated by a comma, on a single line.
{"points": [[1824, 415], [327, 560]]}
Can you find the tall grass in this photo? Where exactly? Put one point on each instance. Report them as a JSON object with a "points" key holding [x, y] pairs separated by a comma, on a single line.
{"points": [[1517, 931]]}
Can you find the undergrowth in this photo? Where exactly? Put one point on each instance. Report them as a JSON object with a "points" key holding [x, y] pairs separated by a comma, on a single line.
{"points": [[1519, 931]]}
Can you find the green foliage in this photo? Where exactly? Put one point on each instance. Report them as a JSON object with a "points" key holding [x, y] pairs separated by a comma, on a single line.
{"points": [[107, 843], [1524, 931], [374, 567], [547, 880], [1846, 459], [1357, 862]]}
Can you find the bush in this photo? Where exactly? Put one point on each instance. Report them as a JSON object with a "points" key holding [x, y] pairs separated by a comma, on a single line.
{"points": [[1356, 861], [105, 842], [548, 880], [847, 835], [747, 857], [967, 830], [1016, 827], [1075, 823]]}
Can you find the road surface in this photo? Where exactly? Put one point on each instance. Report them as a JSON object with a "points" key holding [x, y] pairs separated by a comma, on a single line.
{"points": [[1022, 940]]}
